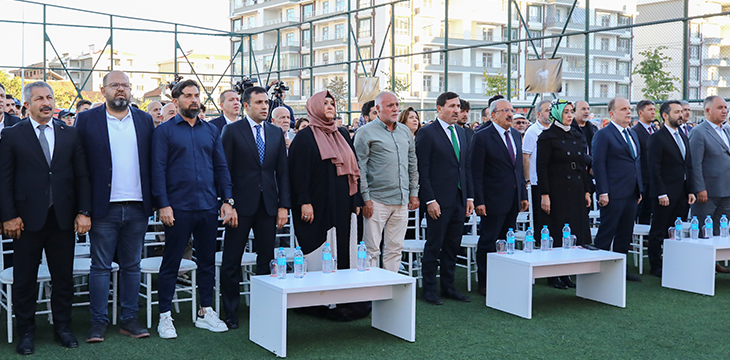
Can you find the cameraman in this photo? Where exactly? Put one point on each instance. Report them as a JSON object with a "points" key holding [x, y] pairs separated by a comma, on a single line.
{"points": [[280, 102]]}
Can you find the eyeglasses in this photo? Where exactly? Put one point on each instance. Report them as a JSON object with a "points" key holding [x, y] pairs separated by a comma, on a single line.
{"points": [[125, 86], [520, 122], [513, 111]]}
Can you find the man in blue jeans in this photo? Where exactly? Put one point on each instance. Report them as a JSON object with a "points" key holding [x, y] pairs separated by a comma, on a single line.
{"points": [[188, 169], [118, 142]]}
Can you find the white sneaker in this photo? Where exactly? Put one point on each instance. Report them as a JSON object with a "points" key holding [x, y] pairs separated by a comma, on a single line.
{"points": [[165, 327], [210, 321]]}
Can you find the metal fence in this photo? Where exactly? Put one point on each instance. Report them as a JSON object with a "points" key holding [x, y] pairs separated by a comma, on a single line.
{"points": [[417, 48]]}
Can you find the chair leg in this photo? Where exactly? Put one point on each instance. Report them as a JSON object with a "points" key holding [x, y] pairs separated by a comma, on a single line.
{"points": [[9, 292], [115, 284], [148, 291], [218, 289], [194, 284], [468, 269]]}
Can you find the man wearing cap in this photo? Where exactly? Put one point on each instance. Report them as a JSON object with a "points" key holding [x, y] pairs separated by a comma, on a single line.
{"points": [[67, 117], [520, 123]]}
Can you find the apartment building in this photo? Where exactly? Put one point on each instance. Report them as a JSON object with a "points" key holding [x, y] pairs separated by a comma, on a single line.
{"points": [[208, 68]]}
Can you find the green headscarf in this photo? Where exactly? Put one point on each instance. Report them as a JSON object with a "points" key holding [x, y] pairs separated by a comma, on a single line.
{"points": [[556, 110]]}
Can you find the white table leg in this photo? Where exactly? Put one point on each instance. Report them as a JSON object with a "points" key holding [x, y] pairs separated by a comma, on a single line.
{"points": [[509, 287], [268, 320], [397, 316], [689, 267], [607, 286]]}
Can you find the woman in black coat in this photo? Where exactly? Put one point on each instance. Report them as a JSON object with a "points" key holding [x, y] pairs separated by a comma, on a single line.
{"points": [[563, 180], [324, 180]]}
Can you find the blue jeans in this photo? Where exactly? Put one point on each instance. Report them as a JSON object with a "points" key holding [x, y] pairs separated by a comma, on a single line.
{"points": [[122, 231]]}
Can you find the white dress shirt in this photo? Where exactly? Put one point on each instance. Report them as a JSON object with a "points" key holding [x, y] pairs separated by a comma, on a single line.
{"points": [[721, 134], [253, 129], [647, 127], [675, 132], [228, 121], [126, 179], [50, 135], [445, 126], [621, 131]]}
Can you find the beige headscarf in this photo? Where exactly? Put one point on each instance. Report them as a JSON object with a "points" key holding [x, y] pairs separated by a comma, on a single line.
{"points": [[332, 145]]}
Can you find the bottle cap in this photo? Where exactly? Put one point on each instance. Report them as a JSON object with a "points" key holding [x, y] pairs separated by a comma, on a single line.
{"points": [[510, 229]]}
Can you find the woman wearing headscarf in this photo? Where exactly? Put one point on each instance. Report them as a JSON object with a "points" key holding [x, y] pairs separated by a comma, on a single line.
{"points": [[563, 180], [325, 177]]}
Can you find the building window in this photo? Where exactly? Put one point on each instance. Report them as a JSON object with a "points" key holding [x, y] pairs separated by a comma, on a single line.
{"points": [[694, 73], [306, 87], [325, 58], [306, 60], [534, 13], [427, 57], [339, 4], [623, 68], [325, 33], [515, 34], [339, 56], [604, 44], [488, 34], [290, 39], [558, 15], [603, 91], [624, 20], [624, 45], [514, 61], [339, 31], [402, 50], [251, 22], [308, 10], [290, 15], [402, 26], [694, 52], [694, 30], [536, 34], [237, 25], [427, 83], [603, 19], [622, 90], [326, 7], [363, 28], [441, 83], [487, 59], [694, 93], [364, 3], [305, 36]]}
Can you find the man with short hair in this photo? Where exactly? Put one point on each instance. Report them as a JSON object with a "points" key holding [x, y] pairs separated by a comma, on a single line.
{"points": [[368, 113], [6, 119], [464, 118], [338, 121], [617, 169], [44, 198], [520, 123], [231, 106], [644, 127], [84, 105], [154, 109], [10, 105], [169, 111], [486, 119], [280, 118], [529, 161], [257, 160], [446, 192], [583, 124], [686, 125], [386, 154], [118, 142], [188, 201], [67, 117]]}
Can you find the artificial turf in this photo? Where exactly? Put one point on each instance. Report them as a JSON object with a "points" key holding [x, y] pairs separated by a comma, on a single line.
{"points": [[657, 323]]}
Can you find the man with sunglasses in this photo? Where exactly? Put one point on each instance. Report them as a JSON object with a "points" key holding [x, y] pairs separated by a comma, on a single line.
{"points": [[520, 123]]}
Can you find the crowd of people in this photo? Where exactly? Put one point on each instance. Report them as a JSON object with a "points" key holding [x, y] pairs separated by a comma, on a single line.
{"points": [[105, 169]]}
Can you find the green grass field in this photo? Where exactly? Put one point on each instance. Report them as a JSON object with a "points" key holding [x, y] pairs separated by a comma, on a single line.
{"points": [[657, 323]]}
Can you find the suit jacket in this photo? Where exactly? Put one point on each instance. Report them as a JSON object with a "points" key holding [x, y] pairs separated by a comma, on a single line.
{"points": [[219, 122], [669, 173], [710, 160], [440, 173], [248, 176], [616, 172], [26, 178], [94, 135], [10, 120], [498, 183], [643, 135], [469, 134]]}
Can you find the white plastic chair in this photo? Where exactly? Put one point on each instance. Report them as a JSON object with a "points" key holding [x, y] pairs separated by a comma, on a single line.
{"points": [[151, 265]]}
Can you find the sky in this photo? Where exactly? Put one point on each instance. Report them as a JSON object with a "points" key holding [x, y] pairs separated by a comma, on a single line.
{"points": [[154, 45]]}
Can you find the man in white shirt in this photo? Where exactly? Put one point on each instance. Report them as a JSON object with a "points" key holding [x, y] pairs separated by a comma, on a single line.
{"points": [[529, 156]]}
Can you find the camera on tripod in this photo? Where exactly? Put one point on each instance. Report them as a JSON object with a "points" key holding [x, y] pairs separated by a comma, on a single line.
{"points": [[279, 89], [245, 83], [171, 84]]}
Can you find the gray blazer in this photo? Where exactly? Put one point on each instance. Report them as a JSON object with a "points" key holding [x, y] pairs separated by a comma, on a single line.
{"points": [[710, 160]]}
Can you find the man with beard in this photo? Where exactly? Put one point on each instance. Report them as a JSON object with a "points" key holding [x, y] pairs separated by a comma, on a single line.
{"points": [[155, 110], [118, 142], [169, 111], [189, 172], [646, 111], [464, 118], [6, 119], [231, 106], [582, 123], [10, 105]]}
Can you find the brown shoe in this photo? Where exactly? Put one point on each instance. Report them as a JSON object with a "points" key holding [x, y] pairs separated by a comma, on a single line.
{"points": [[722, 270]]}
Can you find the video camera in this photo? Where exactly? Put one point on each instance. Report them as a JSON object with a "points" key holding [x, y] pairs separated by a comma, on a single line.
{"points": [[245, 83], [279, 89], [171, 85]]}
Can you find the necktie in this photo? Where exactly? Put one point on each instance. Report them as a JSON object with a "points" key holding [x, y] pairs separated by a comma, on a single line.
{"points": [[455, 142], [47, 153], [509, 146], [651, 130], [260, 144], [680, 143], [631, 146]]}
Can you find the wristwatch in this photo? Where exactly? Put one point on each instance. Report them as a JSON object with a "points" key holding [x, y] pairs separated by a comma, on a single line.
{"points": [[229, 201], [85, 213]]}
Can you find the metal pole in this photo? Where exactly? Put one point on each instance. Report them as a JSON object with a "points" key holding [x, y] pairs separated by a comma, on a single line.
{"points": [[311, 59], [392, 47], [45, 34], [446, 46], [685, 46], [586, 87], [509, 51], [349, 62], [174, 58], [278, 55], [111, 42]]}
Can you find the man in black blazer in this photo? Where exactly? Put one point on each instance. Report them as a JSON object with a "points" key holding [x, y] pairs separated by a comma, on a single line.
{"points": [[617, 169], [44, 198], [118, 143], [446, 192], [231, 106], [643, 128], [500, 190], [6, 119], [671, 176], [256, 156]]}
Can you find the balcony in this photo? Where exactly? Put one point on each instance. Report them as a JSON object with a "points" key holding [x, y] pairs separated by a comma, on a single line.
{"points": [[327, 43], [608, 77], [246, 6], [318, 14], [717, 82], [713, 40]]}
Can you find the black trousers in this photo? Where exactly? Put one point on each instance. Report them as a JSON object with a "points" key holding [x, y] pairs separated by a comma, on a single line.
{"points": [[662, 218], [643, 214], [539, 217], [59, 247], [443, 241], [264, 231], [617, 224], [494, 227]]}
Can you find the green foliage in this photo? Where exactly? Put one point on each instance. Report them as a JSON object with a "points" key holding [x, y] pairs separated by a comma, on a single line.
{"points": [[338, 88], [13, 85], [397, 87], [658, 84], [495, 84]]}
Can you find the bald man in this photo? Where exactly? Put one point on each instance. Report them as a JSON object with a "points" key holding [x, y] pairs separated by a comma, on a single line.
{"points": [[155, 110], [169, 111], [281, 118]]}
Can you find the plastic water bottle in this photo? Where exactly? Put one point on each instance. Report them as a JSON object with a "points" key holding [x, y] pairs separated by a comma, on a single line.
{"points": [[678, 227], [708, 226], [327, 259], [362, 257], [529, 240], [281, 263], [694, 228], [298, 263], [723, 227], [545, 238], [510, 241], [566, 236]]}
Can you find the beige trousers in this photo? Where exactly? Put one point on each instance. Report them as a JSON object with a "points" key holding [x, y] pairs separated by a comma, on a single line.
{"points": [[394, 219]]}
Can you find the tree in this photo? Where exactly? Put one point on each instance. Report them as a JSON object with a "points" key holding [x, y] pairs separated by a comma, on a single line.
{"points": [[338, 88], [495, 84], [658, 84], [143, 105], [398, 87], [12, 84]]}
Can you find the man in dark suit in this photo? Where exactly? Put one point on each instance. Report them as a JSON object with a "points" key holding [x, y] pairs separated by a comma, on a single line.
{"points": [[672, 187], [44, 198], [617, 169], [500, 190], [464, 119], [256, 156], [231, 106], [6, 119], [446, 192], [118, 141], [643, 128], [583, 124]]}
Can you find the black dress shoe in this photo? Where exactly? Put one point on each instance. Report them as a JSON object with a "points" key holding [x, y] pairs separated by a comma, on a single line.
{"points": [[96, 333], [656, 272], [232, 322], [25, 344], [64, 336], [567, 281], [630, 277], [431, 298], [455, 295], [556, 283], [483, 291]]}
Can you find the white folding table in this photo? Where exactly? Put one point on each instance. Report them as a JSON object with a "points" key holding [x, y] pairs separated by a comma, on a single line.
{"points": [[393, 296], [689, 265], [601, 276]]}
